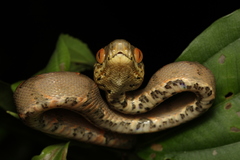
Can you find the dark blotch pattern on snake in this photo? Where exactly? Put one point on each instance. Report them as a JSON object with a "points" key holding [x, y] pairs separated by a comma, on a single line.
{"points": [[68, 104]]}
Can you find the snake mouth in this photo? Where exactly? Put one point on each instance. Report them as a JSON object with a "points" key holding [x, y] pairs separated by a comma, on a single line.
{"points": [[121, 58], [121, 54]]}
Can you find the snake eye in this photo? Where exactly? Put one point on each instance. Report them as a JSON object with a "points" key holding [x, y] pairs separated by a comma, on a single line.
{"points": [[138, 55], [100, 56]]}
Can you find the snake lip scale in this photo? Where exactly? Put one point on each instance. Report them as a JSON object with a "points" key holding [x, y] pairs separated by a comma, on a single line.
{"points": [[69, 104]]}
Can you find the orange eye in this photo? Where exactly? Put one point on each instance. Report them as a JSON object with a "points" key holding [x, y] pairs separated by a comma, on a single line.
{"points": [[138, 55], [100, 56]]}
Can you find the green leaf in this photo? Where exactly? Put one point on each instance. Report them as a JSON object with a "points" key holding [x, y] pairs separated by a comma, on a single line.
{"points": [[6, 98], [226, 152], [216, 134], [217, 36], [226, 69], [15, 85], [53, 152], [70, 54], [14, 114]]}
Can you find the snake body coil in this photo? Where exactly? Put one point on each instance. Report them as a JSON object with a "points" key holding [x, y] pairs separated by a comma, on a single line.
{"points": [[53, 102]]}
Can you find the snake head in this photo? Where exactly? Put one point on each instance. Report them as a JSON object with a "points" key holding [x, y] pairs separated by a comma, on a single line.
{"points": [[119, 67]]}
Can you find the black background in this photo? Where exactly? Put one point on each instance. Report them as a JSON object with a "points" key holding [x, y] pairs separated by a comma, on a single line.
{"points": [[162, 30]]}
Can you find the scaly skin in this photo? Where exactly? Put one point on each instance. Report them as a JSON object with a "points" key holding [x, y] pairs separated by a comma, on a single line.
{"points": [[56, 103]]}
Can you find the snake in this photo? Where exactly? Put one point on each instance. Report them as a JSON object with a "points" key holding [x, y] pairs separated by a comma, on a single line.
{"points": [[69, 104]]}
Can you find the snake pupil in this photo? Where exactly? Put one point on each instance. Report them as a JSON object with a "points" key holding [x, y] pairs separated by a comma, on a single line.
{"points": [[100, 56], [138, 55]]}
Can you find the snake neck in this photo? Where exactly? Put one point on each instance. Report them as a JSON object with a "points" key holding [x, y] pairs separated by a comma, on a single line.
{"points": [[118, 84]]}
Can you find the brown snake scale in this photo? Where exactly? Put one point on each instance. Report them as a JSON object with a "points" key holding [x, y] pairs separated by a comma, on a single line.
{"points": [[69, 104]]}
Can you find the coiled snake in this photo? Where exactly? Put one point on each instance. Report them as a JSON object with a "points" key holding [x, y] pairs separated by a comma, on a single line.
{"points": [[53, 102]]}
